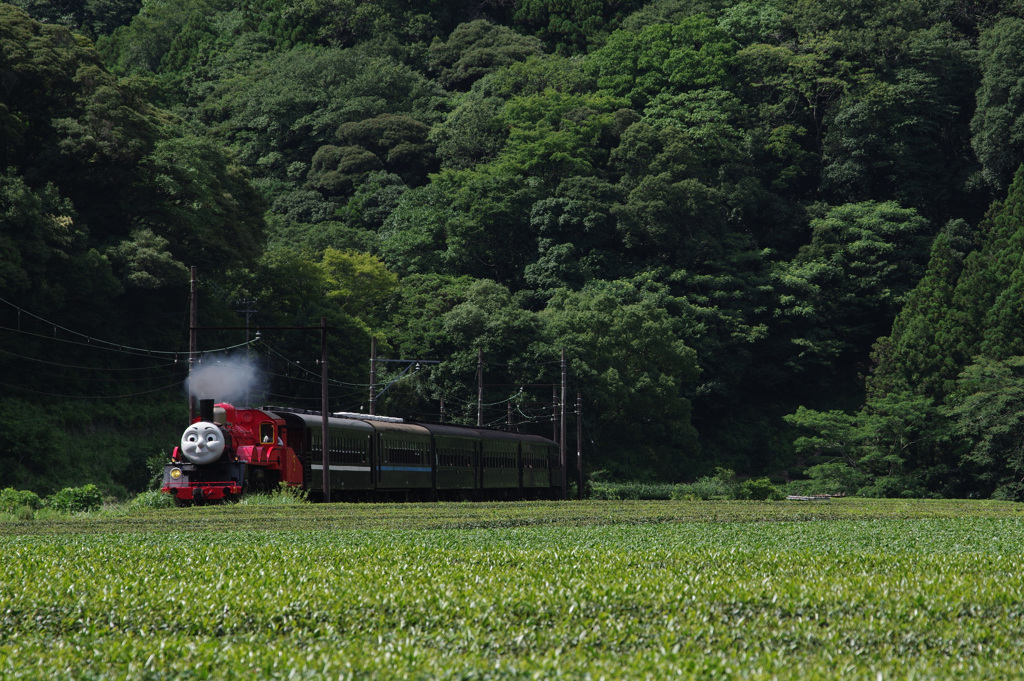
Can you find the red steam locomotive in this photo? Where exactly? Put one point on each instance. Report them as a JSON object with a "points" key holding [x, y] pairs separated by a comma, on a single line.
{"points": [[227, 452]]}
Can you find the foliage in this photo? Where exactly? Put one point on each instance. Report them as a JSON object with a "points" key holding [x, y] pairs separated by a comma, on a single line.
{"points": [[76, 499], [984, 410], [916, 586], [836, 478], [624, 347], [862, 258], [629, 490], [741, 199], [13, 499], [760, 489], [996, 127], [704, 488], [477, 48], [284, 495], [150, 500]]}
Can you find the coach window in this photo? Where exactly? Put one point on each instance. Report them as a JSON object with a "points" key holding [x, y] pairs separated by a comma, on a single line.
{"points": [[266, 433]]}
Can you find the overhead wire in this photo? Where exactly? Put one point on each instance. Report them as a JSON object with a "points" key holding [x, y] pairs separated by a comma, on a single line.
{"points": [[93, 397], [93, 342]]}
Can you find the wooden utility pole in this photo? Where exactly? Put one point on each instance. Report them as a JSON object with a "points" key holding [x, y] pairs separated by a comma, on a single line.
{"points": [[579, 447], [561, 442], [324, 431], [193, 342], [479, 387], [554, 412], [373, 376]]}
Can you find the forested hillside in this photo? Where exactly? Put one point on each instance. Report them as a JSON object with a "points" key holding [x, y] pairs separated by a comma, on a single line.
{"points": [[718, 209]]}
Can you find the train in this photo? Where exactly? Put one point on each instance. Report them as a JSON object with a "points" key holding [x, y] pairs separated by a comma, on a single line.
{"points": [[227, 452]]}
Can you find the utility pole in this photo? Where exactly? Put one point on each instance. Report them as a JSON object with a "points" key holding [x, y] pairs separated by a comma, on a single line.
{"points": [[479, 387], [324, 434], [249, 308], [561, 442], [554, 412], [579, 447], [193, 342], [442, 410], [373, 376]]}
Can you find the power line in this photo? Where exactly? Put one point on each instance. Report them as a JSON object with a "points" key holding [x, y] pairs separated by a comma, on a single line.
{"points": [[93, 397], [122, 347], [86, 368]]}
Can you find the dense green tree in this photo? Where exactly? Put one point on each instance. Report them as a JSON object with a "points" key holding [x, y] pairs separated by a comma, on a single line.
{"points": [[373, 201], [985, 410], [91, 17], [472, 133], [980, 319], [914, 357], [899, 135], [878, 442], [398, 142], [536, 75], [477, 48], [336, 171], [484, 320], [288, 107], [664, 58], [577, 239], [46, 258], [569, 27], [358, 283], [417, 318], [141, 45], [862, 260], [998, 124], [624, 347], [487, 231], [412, 238], [205, 205], [553, 135]]}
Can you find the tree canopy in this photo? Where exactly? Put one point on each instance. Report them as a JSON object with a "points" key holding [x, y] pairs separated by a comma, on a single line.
{"points": [[769, 235]]}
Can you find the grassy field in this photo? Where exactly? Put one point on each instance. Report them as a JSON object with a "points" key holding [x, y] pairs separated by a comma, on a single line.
{"points": [[846, 588]]}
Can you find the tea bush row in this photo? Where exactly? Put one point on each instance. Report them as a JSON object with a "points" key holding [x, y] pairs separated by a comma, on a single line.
{"points": [[891, 598]]}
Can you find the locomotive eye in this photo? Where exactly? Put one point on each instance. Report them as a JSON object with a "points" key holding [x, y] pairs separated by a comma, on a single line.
{"points": [[191, 437], [211, 438]]}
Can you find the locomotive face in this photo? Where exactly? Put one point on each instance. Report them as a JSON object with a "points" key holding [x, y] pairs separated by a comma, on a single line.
{"points": [[202, 443]]}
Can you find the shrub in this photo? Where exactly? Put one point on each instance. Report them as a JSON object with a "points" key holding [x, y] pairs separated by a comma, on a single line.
{"points": [[151, 499], [75, 499], [706, 488], [13, 499], [631, 490], [284, 495], [24, 513], [896, 487], [833, 478], [760, 489]]}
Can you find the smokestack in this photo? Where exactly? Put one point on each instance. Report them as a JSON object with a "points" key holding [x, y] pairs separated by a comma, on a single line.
{"points": [[206, 410]]}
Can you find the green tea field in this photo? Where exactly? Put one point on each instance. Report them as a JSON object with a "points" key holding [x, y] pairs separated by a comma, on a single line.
{"points": [[839, 589]]}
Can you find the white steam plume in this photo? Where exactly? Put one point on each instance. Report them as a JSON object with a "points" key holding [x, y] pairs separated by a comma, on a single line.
{"points": [[225, 379]]}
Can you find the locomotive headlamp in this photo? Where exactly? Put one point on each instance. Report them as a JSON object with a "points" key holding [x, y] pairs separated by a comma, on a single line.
{"points": [[175, 473]]}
